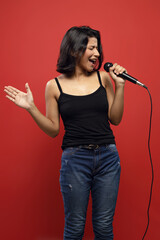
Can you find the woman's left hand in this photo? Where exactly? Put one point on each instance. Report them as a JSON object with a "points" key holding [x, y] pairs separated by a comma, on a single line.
{"points": [[114, 71]]}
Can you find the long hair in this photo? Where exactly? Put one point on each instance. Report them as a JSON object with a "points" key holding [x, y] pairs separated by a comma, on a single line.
{"points": [[73, 47]]}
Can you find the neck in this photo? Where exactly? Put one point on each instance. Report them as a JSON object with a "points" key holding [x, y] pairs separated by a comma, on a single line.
{"points": [[80, 73]]}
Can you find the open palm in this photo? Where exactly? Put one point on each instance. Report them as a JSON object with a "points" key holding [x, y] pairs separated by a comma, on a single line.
{"points": [[21, 99]]}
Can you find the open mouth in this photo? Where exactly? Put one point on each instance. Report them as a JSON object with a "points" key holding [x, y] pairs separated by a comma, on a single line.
{"points": [[93, 61]]}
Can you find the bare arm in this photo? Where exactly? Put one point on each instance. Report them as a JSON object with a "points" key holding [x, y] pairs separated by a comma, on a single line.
{"points": [[115, 99], [49, 123]]}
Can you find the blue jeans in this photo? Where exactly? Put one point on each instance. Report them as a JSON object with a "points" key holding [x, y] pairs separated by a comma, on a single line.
{"points": [[84, 171]]}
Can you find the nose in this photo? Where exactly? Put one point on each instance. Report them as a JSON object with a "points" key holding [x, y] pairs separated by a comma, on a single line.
{"points": [[96, 52]]}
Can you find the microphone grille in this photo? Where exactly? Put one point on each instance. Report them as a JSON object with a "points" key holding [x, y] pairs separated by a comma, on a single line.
{"points": [[107, 65]]}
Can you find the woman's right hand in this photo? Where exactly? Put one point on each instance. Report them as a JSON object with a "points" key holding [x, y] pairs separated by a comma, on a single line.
{"points": [[21, 99]]}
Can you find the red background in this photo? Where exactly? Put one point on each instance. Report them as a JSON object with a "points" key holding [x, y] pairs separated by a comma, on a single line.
{"points": [[31, 33]]}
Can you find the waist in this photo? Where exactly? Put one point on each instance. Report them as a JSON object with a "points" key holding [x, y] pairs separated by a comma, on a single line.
{"points": [[87, 142], [92, 146]]}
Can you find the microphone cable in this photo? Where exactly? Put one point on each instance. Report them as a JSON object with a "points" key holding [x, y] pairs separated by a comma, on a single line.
{"points": [[152, 177], [125, 76]]}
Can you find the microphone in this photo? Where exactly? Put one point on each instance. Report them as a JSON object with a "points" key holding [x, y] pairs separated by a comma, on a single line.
{"points": [[124, 75]]}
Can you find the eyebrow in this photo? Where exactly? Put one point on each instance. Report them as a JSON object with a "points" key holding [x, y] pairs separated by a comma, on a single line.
{"points": [[92, 45]]}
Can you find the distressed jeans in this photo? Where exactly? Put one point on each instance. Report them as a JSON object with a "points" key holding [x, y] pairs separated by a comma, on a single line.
{"points": [[84, 171]]}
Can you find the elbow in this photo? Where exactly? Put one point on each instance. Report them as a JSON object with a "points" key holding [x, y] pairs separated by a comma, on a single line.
{"points": [[54, 134], [115, 121], [54, 130]]}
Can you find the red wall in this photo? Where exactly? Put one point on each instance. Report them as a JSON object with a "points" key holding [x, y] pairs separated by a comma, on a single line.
{"points": [[31, 33]]}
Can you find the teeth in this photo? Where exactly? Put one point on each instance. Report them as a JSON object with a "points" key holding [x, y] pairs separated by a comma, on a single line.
{"points": [[92, 60]]}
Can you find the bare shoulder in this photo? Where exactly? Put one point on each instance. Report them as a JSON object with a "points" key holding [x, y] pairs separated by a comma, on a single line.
{"points": [[51, 85], [52, 89], [105, 78]]}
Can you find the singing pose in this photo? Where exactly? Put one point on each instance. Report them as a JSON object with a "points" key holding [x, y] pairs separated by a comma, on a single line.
{"points": [[87, 103]]}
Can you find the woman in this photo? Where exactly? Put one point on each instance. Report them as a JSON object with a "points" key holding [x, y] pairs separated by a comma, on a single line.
{"points": [[87, 103]]}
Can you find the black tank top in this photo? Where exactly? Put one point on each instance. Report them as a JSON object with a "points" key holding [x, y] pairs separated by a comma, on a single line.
{"points": [[85, 118]]}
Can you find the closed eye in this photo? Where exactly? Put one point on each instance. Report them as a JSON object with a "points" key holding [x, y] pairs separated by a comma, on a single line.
{"points": [[91, 48]]}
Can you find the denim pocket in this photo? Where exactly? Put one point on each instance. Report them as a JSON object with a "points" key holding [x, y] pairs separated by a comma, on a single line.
{"points": [[111, 147], [69, 151]]}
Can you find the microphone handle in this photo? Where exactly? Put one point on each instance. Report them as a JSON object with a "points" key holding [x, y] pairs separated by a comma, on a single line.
{"points": [[124, 75], [127, 77], [131, 79]]}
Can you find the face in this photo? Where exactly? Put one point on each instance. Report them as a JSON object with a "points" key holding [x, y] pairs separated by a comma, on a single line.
{"points": [[90, 56]]}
